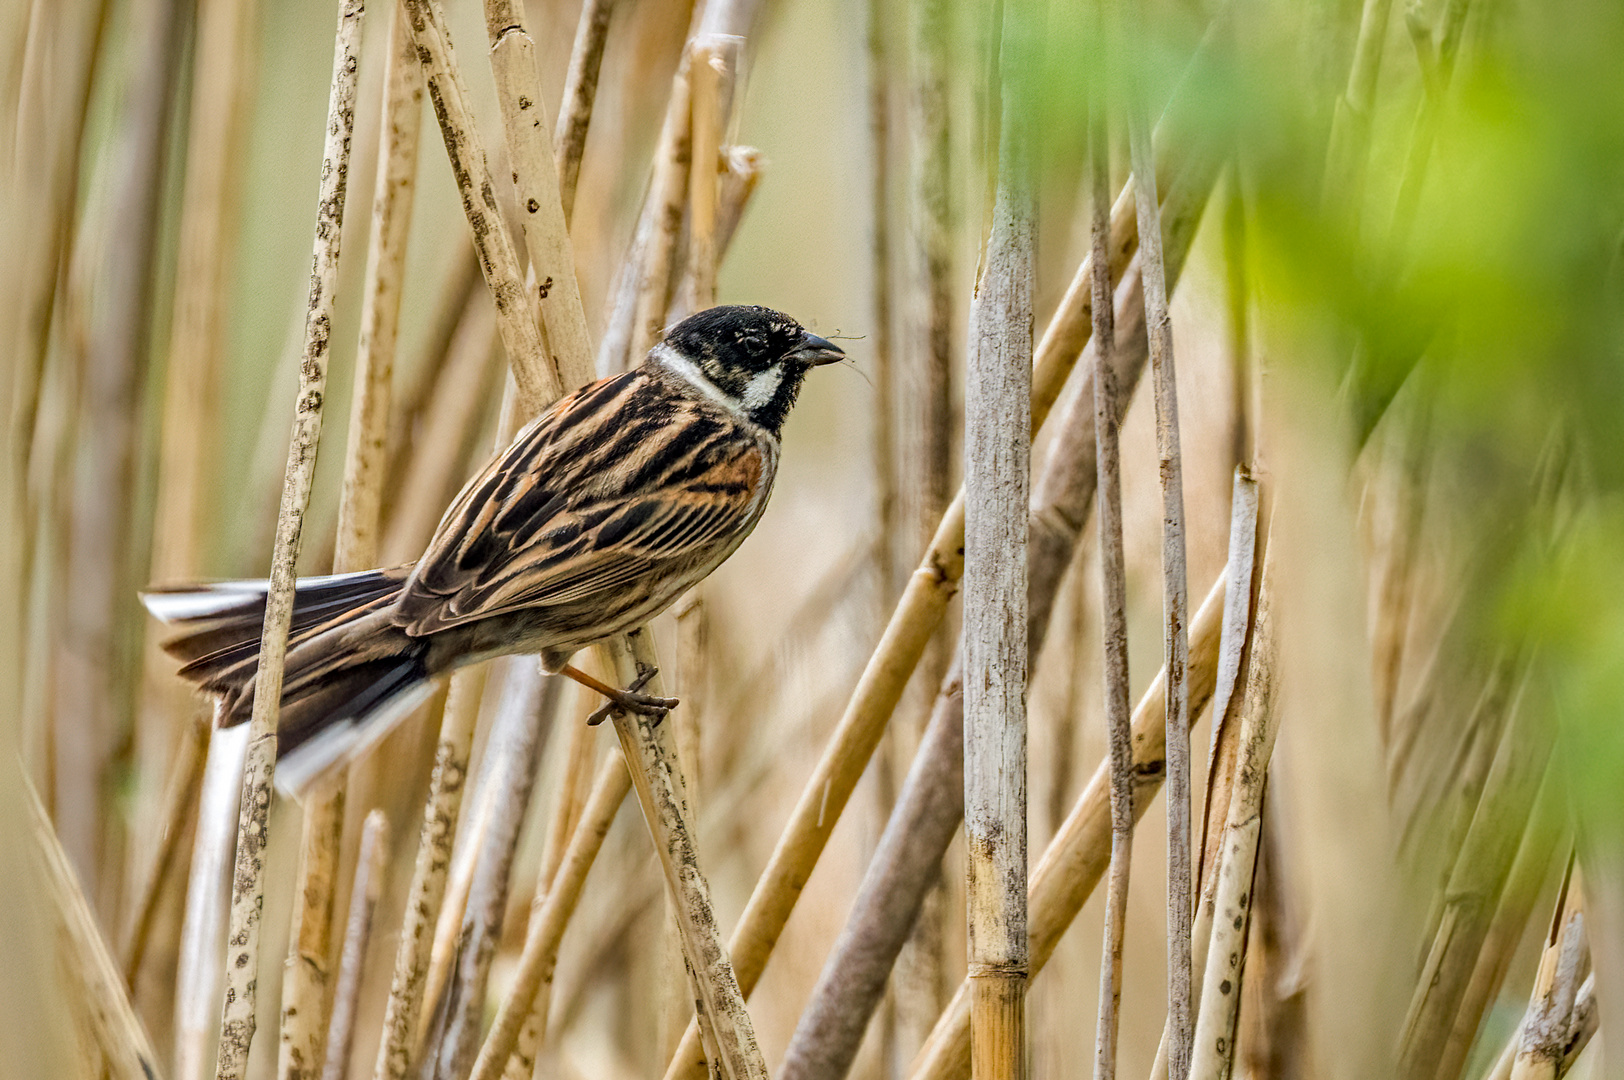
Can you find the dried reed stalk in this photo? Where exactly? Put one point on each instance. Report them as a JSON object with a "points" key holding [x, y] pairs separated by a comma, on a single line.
{"points": [[180, 797], [1113, 590], [1077, 857], [427, 889], [919, 611], [438, 464], [218, 110], [535, 176], [305, 997], [306, 971], [529, 702], [201, 956], [1234, 873], [647, 268], [656, 255], [371, 869], [568, 811], [548, 920], [726, 1030], [1175, 588], [394, 192], [459, 882], [220, 105], [997, 483], [517, 314], [127, 1052], [1274, 1039], [932, 315], [1474, 887], [580, 92], [1541, 841], [1235, 639], [881, 368], [711, 78], [646, 284], [930, 805], [1547, 1027], [248, 886], [1586, 1020], [91, 671], [927, 423]]}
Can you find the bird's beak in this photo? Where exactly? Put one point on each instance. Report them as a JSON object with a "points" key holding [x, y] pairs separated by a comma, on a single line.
{"points": [[818, 351]]}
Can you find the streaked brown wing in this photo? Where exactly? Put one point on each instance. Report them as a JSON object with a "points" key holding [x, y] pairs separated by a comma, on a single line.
{"points": [[614, 485]]}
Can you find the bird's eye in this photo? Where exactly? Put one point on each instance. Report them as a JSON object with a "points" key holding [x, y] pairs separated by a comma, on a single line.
{"points": [[753, 344]]}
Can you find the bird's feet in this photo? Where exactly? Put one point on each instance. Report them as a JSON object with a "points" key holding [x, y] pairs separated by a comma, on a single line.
{"points": [[630, 700]]}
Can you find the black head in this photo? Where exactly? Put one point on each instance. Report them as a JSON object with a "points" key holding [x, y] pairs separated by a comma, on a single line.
{"points": [[753, 358]]}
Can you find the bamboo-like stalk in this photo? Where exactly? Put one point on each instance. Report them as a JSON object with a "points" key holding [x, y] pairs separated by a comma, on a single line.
{"points": [[930, 805], [1175, 588], [517, 314], [535, 176], [529, 703], [725, 1026], [918, 612], [1077, 857], [580, 92], [237, 1021], [427, 889], [997, 482], [547, 922], [1113, 591], [371, 868], [1214, 1050]]}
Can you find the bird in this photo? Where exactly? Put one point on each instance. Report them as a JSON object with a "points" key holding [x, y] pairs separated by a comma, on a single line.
{"points": [[597, 517]]}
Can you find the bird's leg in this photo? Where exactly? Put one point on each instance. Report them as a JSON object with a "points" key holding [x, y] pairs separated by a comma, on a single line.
{"points": [[628, 699]]}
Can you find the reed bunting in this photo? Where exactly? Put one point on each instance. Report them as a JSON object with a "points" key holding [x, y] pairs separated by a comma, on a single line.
{"points": [[601, 513]]}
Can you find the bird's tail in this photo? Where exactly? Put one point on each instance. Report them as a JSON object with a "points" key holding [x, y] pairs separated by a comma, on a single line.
{"points": [[351, 673]]}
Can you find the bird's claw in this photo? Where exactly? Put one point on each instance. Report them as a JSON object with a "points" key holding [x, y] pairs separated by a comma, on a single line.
{"points": [[629, 700]]}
